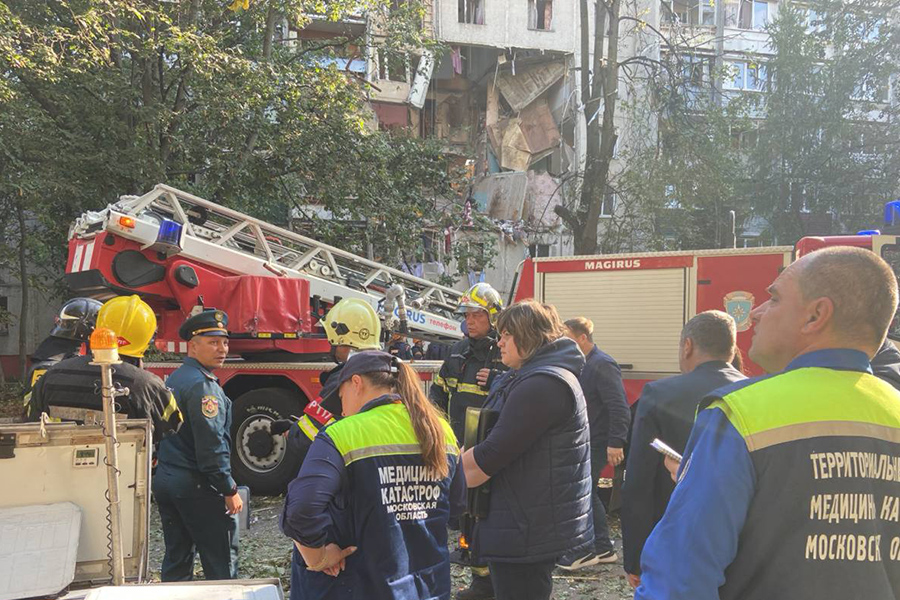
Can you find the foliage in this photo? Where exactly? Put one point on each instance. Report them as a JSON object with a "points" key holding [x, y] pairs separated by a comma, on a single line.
{"points": [[100, 98], [827, 143]]}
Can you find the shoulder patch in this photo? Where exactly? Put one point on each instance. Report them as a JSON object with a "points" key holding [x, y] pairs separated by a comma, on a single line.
{"points": [[210, 406]]}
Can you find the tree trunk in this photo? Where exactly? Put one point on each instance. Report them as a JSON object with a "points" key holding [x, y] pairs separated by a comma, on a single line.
{"points": [[601, 131], [23, 277]]}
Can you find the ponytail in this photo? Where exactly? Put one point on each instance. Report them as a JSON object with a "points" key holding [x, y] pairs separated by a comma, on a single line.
{"points": [[425, 419]]}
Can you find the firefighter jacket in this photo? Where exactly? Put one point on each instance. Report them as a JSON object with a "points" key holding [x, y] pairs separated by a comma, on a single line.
{"points": [[790, 489], [364, 484], [456, 388], [70, 391], [50, 351], [203, 444]]}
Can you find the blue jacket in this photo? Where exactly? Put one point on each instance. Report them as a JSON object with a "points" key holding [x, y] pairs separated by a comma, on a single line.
{"points": [[363, 484], [604, 394], [203, 444], [540, 504], [789, 489]]}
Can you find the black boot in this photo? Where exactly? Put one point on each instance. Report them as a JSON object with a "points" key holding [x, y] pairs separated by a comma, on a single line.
{"points": [[480, 589]]}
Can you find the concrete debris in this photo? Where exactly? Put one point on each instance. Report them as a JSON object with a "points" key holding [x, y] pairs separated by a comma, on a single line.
{"points": [[539, 128], [502, 196], [526, 87]]}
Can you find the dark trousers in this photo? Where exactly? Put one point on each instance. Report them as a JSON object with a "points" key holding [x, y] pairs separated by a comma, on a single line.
{"points": [[194, 520], [522, 581], [602, 543]]}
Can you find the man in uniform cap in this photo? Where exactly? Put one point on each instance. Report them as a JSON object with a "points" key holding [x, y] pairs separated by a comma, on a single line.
{"points": [[197, 497]]}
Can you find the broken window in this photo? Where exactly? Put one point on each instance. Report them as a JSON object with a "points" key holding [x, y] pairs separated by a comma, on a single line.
{"points": [[538, 250], [608, 208], [393, 65], [753, 14], [540, 14], [688, 12], [471, 11]]}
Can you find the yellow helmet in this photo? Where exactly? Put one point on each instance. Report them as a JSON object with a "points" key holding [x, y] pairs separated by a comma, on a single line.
{"points": [[353, 322], [132, 320], [484, 296]]}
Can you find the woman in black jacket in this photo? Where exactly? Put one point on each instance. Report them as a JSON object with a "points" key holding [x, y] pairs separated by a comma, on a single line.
{"points": [[537, 456]]}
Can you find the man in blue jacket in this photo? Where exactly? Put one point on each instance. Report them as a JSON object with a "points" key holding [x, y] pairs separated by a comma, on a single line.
{"points": [[609, 418], [789, 485], [197, 498], [666, 410]]}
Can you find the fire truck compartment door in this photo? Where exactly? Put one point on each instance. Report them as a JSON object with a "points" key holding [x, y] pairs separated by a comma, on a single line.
{"points": [[265, 304], [68, 465], [637, 314]]}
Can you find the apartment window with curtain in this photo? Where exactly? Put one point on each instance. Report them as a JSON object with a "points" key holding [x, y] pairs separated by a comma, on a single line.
{"points": [[540, 14]]}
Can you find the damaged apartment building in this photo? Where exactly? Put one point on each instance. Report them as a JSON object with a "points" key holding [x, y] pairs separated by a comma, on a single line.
{"points": [[503, 99]]}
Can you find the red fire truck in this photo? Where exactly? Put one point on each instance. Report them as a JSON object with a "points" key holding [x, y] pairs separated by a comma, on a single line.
{"points": [[639, 302], [182, 253]]}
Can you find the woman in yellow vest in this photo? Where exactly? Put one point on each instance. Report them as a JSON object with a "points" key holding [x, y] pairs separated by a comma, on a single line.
{"points": [[369, 510]]}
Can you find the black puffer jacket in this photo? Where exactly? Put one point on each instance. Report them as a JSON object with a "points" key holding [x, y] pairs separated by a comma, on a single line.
{"points": [[540, 505]]}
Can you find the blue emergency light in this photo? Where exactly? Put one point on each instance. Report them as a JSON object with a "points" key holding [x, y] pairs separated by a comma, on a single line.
{"points": [[869, 232], [168, 239], [892, 213]]}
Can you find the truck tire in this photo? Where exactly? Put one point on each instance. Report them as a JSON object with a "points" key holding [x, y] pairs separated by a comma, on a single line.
{"points": [[258, 459]]}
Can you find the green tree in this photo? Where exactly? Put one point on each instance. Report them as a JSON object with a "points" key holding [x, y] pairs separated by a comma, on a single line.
{"points": [[828, 136], [100, 98]]}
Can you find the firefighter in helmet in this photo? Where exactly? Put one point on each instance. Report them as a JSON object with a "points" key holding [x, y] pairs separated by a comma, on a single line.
{"points": [[352, 325], [72, 329], [70, 390], [464, 381]]}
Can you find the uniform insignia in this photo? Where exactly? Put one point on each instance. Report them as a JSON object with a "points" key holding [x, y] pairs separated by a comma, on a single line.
{"points": [[210, 406], [739, 304], [219, 315]]}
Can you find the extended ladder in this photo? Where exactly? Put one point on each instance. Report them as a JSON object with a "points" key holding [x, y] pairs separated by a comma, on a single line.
{"points": [[228, 239]]}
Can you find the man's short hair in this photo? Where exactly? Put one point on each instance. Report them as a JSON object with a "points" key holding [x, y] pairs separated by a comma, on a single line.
{"points": [[861, 286], [531, 324], [582, 326], [713, 332]]}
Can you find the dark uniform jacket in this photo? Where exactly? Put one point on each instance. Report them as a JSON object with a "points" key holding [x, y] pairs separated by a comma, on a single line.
{"points": [[540, 504], [456, 388], [666, 410], [604, 393], [70, 391], [789, 489], [203, 444], [50, 351], [364, 484], [886, 364]]}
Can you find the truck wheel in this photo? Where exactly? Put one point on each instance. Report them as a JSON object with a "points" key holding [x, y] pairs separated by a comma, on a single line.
{"points": [[260, 460]]}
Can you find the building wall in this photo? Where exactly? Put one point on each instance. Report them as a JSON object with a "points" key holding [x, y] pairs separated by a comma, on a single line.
{"points": [[506, 26], [40, 321]]}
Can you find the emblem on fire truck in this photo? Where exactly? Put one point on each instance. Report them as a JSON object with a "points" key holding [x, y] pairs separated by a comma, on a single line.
{"points": [[739, 304]]}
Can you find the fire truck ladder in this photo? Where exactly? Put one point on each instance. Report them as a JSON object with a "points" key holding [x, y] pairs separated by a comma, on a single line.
{"points": [[229, 239]]}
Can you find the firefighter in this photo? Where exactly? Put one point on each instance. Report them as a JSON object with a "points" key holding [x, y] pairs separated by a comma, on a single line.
{"points": [[464, 381], [399, 348], [70, 389], [352, 325], [197, 498], [73, 328]]}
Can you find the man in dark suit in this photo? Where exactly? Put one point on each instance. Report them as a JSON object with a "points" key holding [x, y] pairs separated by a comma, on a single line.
{"points": [[886, 363], [666, 410]]}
